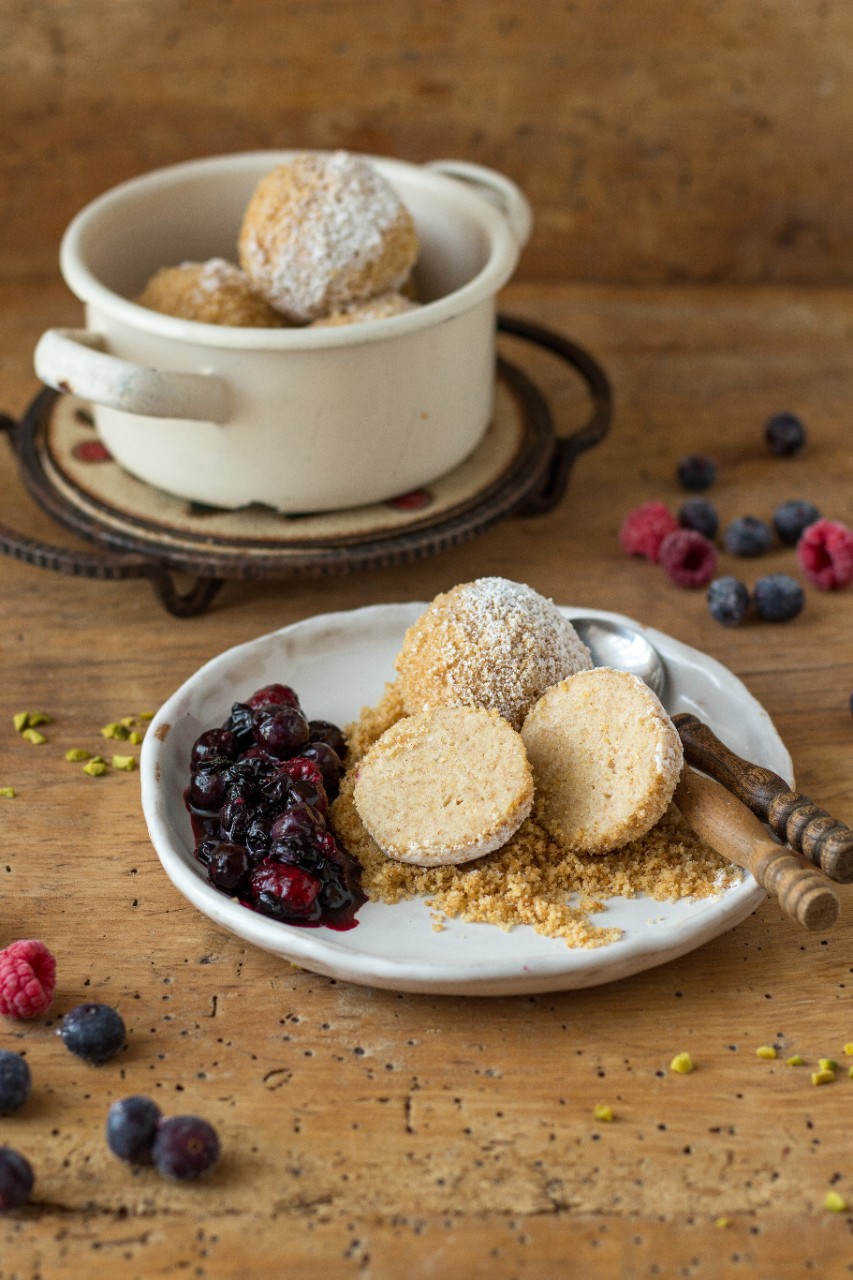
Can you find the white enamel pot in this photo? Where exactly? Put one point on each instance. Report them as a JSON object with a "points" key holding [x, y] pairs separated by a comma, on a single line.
{"points": [[298, 419]]}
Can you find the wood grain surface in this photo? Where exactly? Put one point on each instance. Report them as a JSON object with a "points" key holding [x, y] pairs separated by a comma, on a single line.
{"points": [[372, 1134]]}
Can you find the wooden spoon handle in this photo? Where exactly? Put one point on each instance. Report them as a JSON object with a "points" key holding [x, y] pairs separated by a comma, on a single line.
{"points": [[795, 818], [729, 827]]}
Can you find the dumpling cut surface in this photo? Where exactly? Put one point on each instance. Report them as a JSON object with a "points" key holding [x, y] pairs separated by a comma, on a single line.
{"points": [[489, 643], [606, 759], [444, 786]]}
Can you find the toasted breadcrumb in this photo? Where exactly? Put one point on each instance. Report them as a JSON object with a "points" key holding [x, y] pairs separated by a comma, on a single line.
{"points": [[531, 880]]}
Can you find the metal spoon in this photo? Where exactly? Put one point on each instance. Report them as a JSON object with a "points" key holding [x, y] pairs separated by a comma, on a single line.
{"points": [[613, 644]]}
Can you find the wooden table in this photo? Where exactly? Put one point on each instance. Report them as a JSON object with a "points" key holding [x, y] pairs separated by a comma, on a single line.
{"points": [[375, 1134]]}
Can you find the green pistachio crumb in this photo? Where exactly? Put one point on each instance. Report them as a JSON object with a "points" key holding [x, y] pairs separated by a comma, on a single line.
{"points": [[128, 721], [38, 717], [75, 755], [722, 1223], [145, 715], [823, 1077], [835, 1202], [848, 1049], [20, 720], [135, 738], [95, 768], [603, 1112], [8, 793], [682, 1063], [765, 1051], [126, 763], [33, 736], [827, 1064], [796, 1060], [850, 1072], [115, 730]]}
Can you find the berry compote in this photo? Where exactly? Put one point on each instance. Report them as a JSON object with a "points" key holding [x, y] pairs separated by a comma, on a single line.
{"points": [[258, 797]]}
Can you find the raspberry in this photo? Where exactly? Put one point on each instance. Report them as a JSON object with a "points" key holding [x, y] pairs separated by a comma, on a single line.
{"points": [[825, 552], [700, 515], [95, 1032], [27, 979], [16, 1179], [696, 472], [748, 536], [185, 1148], [785, 434], [644, 529], [688, 558], [131, 1128], [15, 1081], [778, 597], [790, 519], [728, 601]]}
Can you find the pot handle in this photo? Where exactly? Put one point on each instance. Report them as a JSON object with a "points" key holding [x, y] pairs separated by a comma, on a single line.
{"points": [[500, 191], [74, 360]]}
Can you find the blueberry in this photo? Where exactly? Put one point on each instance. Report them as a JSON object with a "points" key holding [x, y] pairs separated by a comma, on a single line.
{"points": [[785, 434], [213, 744], [748, 536], [15, 1081], [280, 730], [185, 1148], [16, 1179], [791, 518], [778, 598], [228, 867], [728, 601], [131, 1126], [325, 731], [700, 515], [696, 472], [95, 1032]]}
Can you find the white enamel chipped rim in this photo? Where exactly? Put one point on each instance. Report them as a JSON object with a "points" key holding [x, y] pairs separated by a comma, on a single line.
{"points": [[340, 662]]}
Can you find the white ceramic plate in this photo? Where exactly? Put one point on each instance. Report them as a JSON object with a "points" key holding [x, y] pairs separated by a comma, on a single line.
{"points": [[340, 662]]}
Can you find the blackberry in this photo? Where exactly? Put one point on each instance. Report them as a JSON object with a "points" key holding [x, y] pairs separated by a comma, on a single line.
{"points": [[95, 1032], [790, 519], [748, 536], [16, 1179], [131, 1127], [728, 601], [15, 1081], [185, 1148], [696, 472], [785, 434], [778, 598], [700, 515]]}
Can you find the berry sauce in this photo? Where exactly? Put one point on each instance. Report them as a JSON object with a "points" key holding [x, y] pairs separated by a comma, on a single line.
{"points": [[258, 799]]}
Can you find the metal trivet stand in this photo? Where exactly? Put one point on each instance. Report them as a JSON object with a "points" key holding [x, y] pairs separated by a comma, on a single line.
{"points": [[533, 482]]}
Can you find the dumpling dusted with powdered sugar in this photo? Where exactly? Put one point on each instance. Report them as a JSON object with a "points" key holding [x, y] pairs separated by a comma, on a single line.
{"points": [[490, 643], [323, 231]]}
